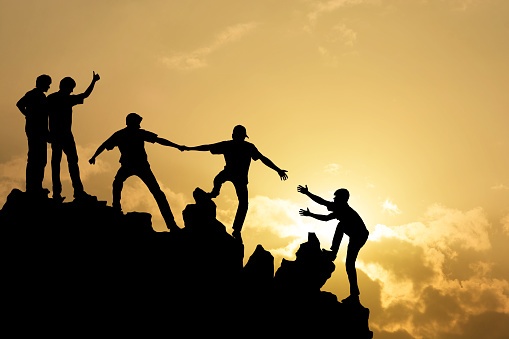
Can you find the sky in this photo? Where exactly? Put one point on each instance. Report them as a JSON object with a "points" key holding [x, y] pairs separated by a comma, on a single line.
{"points": [[402, 102]]}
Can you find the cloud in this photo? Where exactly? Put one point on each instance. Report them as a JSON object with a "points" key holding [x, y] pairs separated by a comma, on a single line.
{"points": [[198, 58], [324, 7], [500, 187], [390, 207], [435, 274]]}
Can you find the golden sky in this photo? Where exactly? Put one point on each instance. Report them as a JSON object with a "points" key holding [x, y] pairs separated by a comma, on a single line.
{"points": [[403, 102]]}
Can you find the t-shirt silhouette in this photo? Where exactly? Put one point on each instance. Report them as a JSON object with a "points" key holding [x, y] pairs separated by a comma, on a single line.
{"points": [[237, 156], [60, 112], [131, 143]]}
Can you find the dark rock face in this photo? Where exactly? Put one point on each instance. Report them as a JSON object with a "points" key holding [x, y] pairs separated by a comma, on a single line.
{"points": [[76, 268]]}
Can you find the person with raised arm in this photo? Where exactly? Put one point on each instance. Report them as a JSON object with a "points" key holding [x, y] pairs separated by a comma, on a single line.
{"points": [[350, 223], [61, 105]]}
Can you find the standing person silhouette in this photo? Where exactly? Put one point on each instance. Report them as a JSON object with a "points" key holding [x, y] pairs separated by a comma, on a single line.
{"points": [[62, 140], [134, 161], [350, 223], [237, 155], [33, 105]]}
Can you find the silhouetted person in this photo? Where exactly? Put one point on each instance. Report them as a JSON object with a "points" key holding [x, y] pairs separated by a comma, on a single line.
{"points": [[237, 155], [33, 105], [133, 161], [62, 140], [350, 223]]}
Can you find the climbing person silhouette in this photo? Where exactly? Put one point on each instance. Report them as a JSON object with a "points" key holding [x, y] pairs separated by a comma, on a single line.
{"points": [[33, 105], [60, 106], [350, 223], [237, 155], [134, 161]]}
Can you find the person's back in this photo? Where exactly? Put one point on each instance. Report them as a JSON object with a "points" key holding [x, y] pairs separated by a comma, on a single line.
{"points": [[60, 112], [237, 155], [351, 222]]}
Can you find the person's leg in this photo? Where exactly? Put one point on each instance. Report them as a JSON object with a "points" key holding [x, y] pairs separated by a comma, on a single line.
{"points": [[240, 216], [149, 179], [118, 184], [219, 180], [351, 257], [69, 148], [36, 162], [56, 158]]}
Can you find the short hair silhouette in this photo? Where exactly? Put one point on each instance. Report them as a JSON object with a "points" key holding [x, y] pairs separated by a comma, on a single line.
{"points": [[239, 133], [133, 119], [67, 83], [342, 194], [43, 80]]}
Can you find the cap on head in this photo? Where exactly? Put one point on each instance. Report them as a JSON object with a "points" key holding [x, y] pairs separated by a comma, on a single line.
{"points": [[133, 119], [239, 132], [342, 194], [67, 83]]}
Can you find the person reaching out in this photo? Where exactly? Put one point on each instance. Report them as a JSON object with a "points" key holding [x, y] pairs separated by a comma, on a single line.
{"points": [[350, 223], [134, 161], [238, 154], [60, 106]]}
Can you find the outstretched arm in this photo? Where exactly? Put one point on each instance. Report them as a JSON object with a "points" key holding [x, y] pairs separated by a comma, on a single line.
{"points": [[95, 78], [270, 164], [304, 190], [166, 142], [322, 217], [197, 148], [100, 149]]}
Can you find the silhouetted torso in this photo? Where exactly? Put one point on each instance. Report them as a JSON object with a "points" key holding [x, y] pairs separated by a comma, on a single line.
{"points": [[351, 222], [60, 112], [237, 156], [36, 105], [131, 143]]}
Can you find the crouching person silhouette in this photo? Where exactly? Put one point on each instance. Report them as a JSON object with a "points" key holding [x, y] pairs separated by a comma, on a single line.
{"points": [[237, 155], [133, 161], [350, 223]]}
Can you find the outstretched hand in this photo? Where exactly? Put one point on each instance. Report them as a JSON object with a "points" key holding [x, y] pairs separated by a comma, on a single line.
{"points": [[95, 76], [305, 213], [92, 161], [282, 174], [303, 189]]}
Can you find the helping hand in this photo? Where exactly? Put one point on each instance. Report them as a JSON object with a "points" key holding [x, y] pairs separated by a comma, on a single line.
{"points": [[282, 174], [305, 213], [303, 189], [92, 161]]}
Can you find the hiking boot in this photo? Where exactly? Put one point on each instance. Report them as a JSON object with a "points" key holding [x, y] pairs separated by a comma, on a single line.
{"points": [[236, 234], [84, 196], [58, 198], [331, 255], [351, 299]]}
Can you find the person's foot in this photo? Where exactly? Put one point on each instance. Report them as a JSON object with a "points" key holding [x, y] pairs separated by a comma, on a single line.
{"points": [[84, 196], [236, 234], [331, 255], [351, 299], [58, 198], [212, 195]]}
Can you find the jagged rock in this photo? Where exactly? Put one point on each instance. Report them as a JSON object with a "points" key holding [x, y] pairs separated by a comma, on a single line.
{"points": [[87, 266]]}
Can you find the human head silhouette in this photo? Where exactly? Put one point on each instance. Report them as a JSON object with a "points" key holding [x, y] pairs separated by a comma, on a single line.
{"points": [[341, 195], [67, 85], [239, 133], [43, 82], [133, 120]]}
